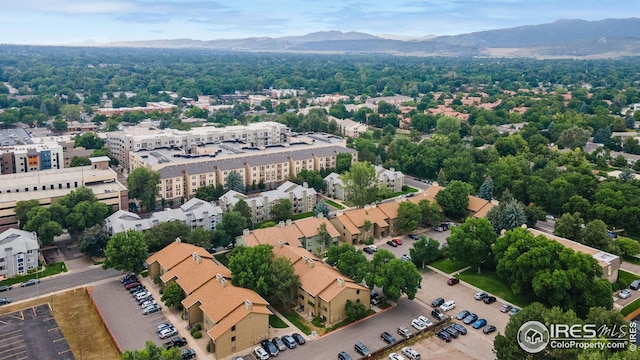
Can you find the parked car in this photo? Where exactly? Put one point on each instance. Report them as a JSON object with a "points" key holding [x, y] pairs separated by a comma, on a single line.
{"points": [[162, 327], [635, 285], [480, 295], [5, 301], [624, 293], [188, 354], [289, 341], [128, 276], [413, 237], [418, 325], [388, 338], [368, 250], [175, 342], [410, 353], [361, 349], [489, 329], [437, 302], [279, 343], [135, 290], [461, 329], [514, 311], [397, 241], [133, 284], [505, 308], [437, 228], [392, 243], [404, 332], [167, 333], [405, 257], [453, 332], [141, 295], [489, 299], [470, 318], [269, 347], [151, 309], [479, 323], [148, 303], [5, 287], [437, 314], [373, 247], [452, 281], [550, 217], [394, 356], [463, 314], [261, 354], [343, 356], [448, 305], [425, 321], [145, 298], [298, 338], [30, 282], [445, 336]]}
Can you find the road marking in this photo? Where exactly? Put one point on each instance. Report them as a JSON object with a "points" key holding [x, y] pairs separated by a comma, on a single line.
{"points": [[12, 332], [62, 352], [21, 317], [54, 329], [58, 340], [51, 318], [12, 355], [15, 348], [35, 314], [11, 342]]}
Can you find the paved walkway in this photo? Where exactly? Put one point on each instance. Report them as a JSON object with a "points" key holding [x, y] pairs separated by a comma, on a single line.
{"points": [[630, 267]]}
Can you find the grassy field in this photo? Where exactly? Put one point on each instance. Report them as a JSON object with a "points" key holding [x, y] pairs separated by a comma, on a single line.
{"points": [[334, 204], [81, 325], [298, 321], [303, 215], [224, 260], [276, 322], [630, 308], [627, 276], [49, 270], [489, 282], [447, 266]]}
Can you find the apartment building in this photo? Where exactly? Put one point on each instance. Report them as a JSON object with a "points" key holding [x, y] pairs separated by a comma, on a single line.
{"points": [[18, 252], [349, 127], [33, 157], [300, 233], [302, 198], [160, 106], [394, 180], [146, 137], [194, 213], [47, 186]]}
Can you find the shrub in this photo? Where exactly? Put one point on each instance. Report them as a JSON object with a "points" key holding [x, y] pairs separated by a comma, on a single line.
{"points": [[318, 321], [197, 335], [208, 347], [622, 283]]}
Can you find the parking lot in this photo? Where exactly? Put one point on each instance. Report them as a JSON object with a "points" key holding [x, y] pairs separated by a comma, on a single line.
{"points": [[124, 316], [32, 333]]}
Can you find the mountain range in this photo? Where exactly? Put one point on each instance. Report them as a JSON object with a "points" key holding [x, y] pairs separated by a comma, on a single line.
{"points": [[609, 38]]}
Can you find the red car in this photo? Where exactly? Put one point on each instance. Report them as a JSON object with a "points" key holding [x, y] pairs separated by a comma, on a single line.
{"points": [[452, 281], [133, 284], [397, 241]]}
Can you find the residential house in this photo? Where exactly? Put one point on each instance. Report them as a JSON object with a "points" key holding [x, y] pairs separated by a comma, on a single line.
{"points": [[300, 233], [361, 224], [336, 188], [18, 252], [349, 127]]}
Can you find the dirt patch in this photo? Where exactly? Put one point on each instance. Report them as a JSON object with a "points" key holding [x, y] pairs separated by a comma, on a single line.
{"points": [[79, 322]]}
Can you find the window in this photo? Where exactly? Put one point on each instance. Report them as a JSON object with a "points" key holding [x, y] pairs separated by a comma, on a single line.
{"points": [[233, 328], [233, 338]]}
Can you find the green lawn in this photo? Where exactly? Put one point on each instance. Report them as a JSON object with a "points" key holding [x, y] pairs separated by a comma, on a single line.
{"points": [[224, 260], [627, 276], [489, 282], [276, 322], [303, 215], [630, 308], [334, 204], [447, 266], [52, 269], [298, 321], [631, 259]]}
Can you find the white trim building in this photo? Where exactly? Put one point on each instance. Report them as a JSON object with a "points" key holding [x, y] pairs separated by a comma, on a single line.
{"points": [[18, 252]]}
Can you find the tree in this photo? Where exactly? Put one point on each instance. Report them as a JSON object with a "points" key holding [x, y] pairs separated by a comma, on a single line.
{"points": [[200, 237], [284, 283], [79, 161], [93, 241], [573, 137], [86, 214], [349, 261], [234, 182], [321, 208], [508, 215], [569, 226], [486, 189], [323, 234], [209, 193], [360, 183], [447, 125], [430, 212], [471, 242], [595, 234], [312, 178], [22, 208], [232, 226], [59, 125], [398, 277], [425, 251], [628, 247], [343, 162], [40, 222], [243, 208], [173, 295], [165, 233], [153, 352], [454, 198], [142, 184], [282, 210], [409, 217], [126, 251], [354, 311], [71, 112], [602, 135], [251, 268], [89, 140]]}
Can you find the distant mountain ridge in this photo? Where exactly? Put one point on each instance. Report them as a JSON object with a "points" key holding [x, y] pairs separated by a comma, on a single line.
{"points": [[562, 38]]}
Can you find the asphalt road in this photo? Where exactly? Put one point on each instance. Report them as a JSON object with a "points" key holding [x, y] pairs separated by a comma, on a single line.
{"points": [[60, 282]]}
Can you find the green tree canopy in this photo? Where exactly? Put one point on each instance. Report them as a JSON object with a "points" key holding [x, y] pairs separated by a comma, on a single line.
{"points": [[172, 295], [235, 183], [409, 217], [165, 233], [430, 212], [152, 351], [142, 184], [40, 221], [349, 261], [93, 241], [454, 198], [398, 277], [284, 283], [425, 251], [22, 208], [471, 242], [282, 210], [209, 193], [321, 208], [360, 183], [126, 251], [88, 140]]}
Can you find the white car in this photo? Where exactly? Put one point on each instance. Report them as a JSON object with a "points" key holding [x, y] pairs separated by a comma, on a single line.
{"points": [[624, 294], [142, 295], [394, 356], [374, 248], [480, 295], [261, 353], [148, 303], [410, 353], [418, 325], [449, 305], [167, 333], [425, 321]]}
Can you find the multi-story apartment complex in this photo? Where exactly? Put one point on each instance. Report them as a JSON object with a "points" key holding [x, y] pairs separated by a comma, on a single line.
{"points": [[161, 106], [47, 186], [349, 127], [147, 137], [303, 199], [392, 179], [18, 252], [33, 157]]}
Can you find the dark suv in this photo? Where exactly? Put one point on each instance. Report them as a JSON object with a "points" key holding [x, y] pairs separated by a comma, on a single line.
{"points": [[437, 314], [388, 338], [269, 347], [437, 302], [361, 349]]}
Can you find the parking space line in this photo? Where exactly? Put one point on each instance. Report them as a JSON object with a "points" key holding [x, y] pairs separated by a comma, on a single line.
{"points": [[54, 329], [51, 318], [12, 332], [12, 355], [11, 342], [62, 352], [21, 317], [35, 314], [15, 348], [61, 339], [4, 322]]}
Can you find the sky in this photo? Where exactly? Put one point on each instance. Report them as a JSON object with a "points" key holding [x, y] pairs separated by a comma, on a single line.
{"points": [[59, 22]]}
